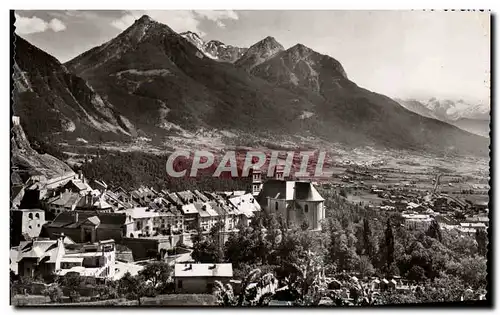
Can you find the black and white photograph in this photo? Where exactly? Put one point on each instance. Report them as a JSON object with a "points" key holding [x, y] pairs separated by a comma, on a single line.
{"points": [[250, 158]]}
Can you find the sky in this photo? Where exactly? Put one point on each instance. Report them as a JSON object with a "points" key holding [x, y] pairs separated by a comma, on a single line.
{"points": [[402, 54]]}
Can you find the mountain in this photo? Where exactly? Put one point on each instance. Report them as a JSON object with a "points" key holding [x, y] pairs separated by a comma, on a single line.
{"points": [[50, 100], [479, 127], [223, 52], [215, 49], [27, 162], [300, 67], [474, 118], [164, 84], [354, 114], [258, 53]]}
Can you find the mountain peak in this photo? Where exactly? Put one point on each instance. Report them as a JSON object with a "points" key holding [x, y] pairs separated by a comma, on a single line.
{"points": [[300, 48], [269, 41], [190, 33], [145, 19], [260, 52]]}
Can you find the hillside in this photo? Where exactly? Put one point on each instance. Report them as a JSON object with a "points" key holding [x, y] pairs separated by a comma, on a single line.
{"points": [[52, 101], [166, 86], [27, 162], [215, 49]]}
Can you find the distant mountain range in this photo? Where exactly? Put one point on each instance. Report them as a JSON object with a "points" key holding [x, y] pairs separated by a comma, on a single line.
{"points": [[471, 117], [151, 81]]}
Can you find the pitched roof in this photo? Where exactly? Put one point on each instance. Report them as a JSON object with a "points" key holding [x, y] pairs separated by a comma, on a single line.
{"points": [[94, 220], [288, 190], [107, 220], [203, 270], [38, 249], [307, 192], [200, 196], [189, 209], [66, 199]]}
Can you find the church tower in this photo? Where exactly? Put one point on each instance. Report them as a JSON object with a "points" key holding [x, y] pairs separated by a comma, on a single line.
{"points": [[256, 181]]}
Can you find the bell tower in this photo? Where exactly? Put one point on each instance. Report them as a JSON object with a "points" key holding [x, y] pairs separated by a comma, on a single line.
{"points": [[256, 181]]}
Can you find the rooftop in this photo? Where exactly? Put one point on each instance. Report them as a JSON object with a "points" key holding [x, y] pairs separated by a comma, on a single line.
{"points": [[203, 270]]}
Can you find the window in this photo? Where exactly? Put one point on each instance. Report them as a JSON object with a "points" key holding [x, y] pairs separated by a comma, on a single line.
{"points": [[306, 208], [37, 216], [276, 206], [179, 284], [38, 225], [30, 216], [29, 227]]}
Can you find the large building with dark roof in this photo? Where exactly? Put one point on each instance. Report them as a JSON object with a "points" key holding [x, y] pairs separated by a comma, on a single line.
{"points": [[87, 226], [293, 202]]}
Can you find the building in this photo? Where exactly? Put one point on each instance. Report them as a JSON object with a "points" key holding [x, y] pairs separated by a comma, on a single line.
{"points": [[256, 182], [415, 221], [200, 278], [293, 202], [87, 226], [25, 224], [245, 206], [207, 216], [145, 222], [471, 227], [44, 257]]}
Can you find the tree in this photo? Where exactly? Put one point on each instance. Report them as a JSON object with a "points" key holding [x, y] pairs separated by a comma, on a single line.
{"points": [[482, 242], [54, 292], [132, 288], [417, 274], [207, 249], [73, 282], [256, 288], [368, 239], [434, 230], [388, 253], [365, 267], [157, 273], [307, 283], [473, 271]]}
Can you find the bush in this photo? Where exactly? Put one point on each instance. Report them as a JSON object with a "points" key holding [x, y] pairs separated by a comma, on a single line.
{"points": [[54, 292], [74, 296]]}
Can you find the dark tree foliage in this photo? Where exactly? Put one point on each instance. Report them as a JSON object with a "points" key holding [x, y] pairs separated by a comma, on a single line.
{"points": [[134, 169], [482, 242], [389, 243], [434, 230]]}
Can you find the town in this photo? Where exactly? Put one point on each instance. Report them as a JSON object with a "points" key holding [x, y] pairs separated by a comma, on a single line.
{"points": [[69, 227]]}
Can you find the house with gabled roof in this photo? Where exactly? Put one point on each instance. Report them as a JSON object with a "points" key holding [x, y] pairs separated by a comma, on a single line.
{"points": [[45, 257]]}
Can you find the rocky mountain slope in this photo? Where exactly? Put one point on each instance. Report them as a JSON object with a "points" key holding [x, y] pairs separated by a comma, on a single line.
{"points": [[27, 162], [259, 53], [215, 49], [165, 85], [51, 100]]}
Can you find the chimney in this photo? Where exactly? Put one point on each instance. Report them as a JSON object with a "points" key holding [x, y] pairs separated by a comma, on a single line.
{"points": [[80, 174], [76, 220]]}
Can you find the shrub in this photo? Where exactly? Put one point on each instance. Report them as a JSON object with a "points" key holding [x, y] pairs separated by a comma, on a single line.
{"points": [[54, 292]]}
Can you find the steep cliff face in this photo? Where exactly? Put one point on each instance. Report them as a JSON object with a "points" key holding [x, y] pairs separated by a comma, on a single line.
{"points": [[26, 162], [51, 100]]}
